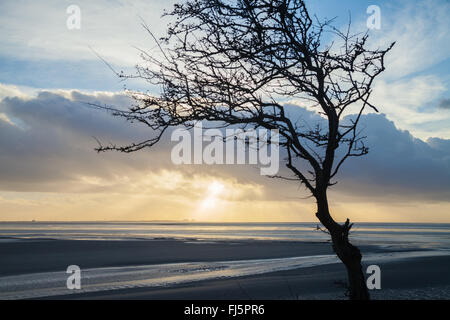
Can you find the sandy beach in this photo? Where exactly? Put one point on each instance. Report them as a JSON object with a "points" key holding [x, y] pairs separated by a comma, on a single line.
{"points": [[414, 279], [33, 256], [209, 270]]}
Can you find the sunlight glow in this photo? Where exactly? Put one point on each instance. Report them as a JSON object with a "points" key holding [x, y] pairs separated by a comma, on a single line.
{"points": [[215, 189]]}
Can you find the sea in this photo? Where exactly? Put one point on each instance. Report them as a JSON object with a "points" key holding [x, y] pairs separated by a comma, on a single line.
{"points": [[423, 234]]}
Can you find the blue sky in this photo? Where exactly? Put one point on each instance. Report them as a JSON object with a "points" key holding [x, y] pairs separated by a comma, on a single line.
{"points": [[46, 69], [38, 51]]}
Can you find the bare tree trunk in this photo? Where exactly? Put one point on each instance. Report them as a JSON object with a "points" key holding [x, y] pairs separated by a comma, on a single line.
{"points": [[351, 257], [347, 253]]}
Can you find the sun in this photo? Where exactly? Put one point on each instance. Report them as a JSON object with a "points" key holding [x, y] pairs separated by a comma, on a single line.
{"points": [[215, 189]]}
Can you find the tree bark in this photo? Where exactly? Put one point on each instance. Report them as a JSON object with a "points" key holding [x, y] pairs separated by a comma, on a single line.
{"points": [[346, 252], [351, 257]]}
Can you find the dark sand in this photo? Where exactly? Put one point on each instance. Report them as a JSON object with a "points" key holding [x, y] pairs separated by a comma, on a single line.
{"points": [[31, 256], [413, 278], [424, 278]]}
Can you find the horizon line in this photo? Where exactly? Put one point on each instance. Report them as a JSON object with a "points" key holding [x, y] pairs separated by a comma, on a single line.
{"points": [[195, 221]]}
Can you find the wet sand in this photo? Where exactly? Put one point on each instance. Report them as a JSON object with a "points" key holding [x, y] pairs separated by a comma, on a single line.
{"points": [[33, 256], [415, 278], [410, 278]]}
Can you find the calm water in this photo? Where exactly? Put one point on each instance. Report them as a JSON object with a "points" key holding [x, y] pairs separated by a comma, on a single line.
{"points": [[428, 235]]}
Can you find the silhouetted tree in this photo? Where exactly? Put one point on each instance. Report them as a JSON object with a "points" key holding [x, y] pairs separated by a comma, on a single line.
{"points": [[235, 61]]}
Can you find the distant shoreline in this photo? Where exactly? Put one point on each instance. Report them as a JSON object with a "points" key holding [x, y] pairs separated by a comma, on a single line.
{"points": [[212, 222], [386, 234]]}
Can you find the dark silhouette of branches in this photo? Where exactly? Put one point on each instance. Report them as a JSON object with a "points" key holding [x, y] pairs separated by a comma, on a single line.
{"points": [[235, 62]]}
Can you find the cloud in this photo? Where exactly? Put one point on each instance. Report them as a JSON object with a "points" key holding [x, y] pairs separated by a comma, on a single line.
{"points": [[444, 104], [410, 103], [36, 41], [415, 78], [47, 145], [399, 167], [48, 141], [36, 30], [15, 91], [420, 30], [46, 136]]}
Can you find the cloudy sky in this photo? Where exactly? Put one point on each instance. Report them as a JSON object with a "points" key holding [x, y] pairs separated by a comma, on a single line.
{"points": [[50, 171]]}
